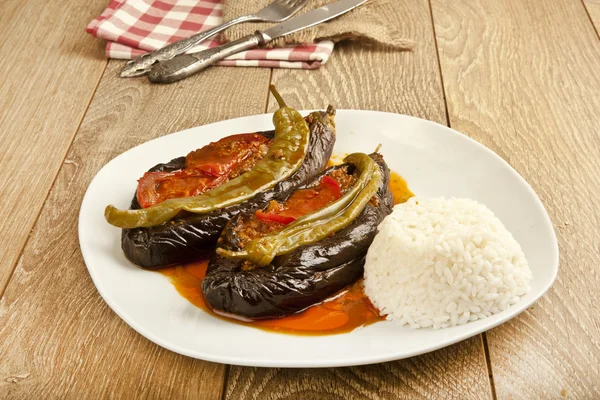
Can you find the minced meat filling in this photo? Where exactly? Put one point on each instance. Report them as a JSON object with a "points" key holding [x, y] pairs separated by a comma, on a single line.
{"points": [[253, 228], [257, 154], [345, 180], [329, 188]]}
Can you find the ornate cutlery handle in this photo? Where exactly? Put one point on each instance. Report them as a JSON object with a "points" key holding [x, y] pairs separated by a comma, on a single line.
{"points": [[185, 65], [142, 64]]}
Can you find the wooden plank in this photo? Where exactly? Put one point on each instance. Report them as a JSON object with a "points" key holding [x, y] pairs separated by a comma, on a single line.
{"points": [[593, 9], [373, 78], [50, 69], [451, 373], [522, 78], [55, 330]]}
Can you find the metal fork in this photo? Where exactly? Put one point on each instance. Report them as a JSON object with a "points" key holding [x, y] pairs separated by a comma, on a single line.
{"points": [[277, 11]]}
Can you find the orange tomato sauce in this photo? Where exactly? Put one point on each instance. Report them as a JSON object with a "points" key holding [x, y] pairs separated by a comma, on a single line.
{"points": [[399, 188], [342, 313], [345, 312]]}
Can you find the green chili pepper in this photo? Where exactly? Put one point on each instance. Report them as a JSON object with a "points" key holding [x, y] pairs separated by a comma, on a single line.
{"points": [[286, 154], [318, 225]]}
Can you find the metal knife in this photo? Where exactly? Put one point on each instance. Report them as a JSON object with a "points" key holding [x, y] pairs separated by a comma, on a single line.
{"points": [[184, 65]]}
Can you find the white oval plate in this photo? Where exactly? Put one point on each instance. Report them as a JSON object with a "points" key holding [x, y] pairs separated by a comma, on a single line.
{"points": [[434, 159]]}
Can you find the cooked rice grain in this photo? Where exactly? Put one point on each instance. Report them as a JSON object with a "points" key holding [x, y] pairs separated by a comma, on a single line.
{"points": [[444, 262]]}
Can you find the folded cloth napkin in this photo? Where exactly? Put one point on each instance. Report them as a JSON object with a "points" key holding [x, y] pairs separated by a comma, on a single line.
{"points": [[134, 27]]}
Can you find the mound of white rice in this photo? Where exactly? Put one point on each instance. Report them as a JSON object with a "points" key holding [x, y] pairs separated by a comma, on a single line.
{"points": [[444, 262]]}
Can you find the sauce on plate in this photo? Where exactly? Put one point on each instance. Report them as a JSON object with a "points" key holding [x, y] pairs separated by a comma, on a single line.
{"points": [[399, 188], [345, 312], [342, 313]]}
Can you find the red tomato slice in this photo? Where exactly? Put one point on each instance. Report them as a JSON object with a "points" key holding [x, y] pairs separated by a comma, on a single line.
{"points": [[333, 185], [270, 217], [156, 187], [304, 202], [206, 168], [220, 157], [146, 190]]}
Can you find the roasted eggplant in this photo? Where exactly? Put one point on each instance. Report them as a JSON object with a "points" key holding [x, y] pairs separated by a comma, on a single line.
{"points": [[189, 236], [271, 281]]}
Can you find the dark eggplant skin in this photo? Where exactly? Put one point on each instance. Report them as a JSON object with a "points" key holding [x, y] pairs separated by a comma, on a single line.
{"points": [[301, 278], [189, 236]]}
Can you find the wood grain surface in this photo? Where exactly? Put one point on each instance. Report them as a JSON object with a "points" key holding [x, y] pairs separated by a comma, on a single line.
{"points": [[58, 339], [593, 9], [523, 78], [391, 81], [50, 68], [451, 373], [520, 76]]}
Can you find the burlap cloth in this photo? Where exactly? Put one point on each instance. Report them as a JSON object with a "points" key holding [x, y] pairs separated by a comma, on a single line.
{"points": [[369, 23]]}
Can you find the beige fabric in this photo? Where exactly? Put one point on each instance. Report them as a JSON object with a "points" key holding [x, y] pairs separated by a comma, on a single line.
{"points": [[369, 23]]}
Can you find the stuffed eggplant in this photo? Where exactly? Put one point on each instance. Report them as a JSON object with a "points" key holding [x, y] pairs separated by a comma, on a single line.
{"points": [[185, 223], [302, 247]]}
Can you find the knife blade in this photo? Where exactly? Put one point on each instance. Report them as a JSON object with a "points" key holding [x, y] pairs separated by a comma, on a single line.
{"points": [[184, 65]]}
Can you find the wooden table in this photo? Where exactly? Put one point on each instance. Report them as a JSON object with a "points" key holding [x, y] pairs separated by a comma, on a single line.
{"points": [[520, 76]]}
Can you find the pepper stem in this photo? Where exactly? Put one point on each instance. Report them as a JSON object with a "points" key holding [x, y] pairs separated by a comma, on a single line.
{"points": [[378, 147], [277, 96]]}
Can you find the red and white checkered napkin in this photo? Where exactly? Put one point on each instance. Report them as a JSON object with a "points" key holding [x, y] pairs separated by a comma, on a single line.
{"points": [[134, 27]]}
